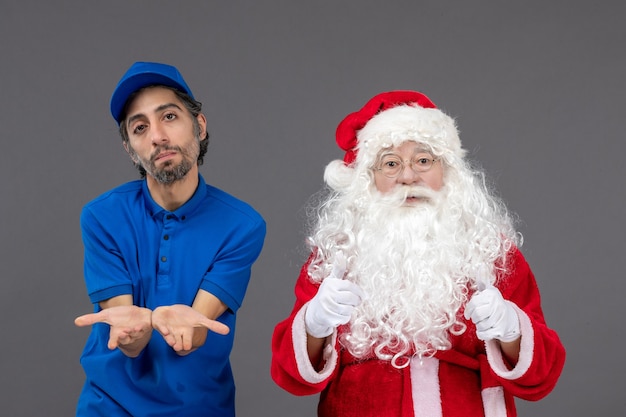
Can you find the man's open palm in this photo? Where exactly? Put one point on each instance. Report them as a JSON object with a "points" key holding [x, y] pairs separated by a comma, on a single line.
{"points": [[177, 323], [129, 324]]}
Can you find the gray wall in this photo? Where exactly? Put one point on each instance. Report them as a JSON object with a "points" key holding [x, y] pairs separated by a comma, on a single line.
{"points": [[537, 89]]}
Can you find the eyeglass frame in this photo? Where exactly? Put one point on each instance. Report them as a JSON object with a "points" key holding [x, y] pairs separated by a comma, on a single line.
{"points": [[403, 162]]}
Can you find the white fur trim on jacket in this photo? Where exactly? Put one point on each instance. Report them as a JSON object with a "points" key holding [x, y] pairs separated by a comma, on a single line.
{"points": [[493, 402], [494, 354], [425, 387], [330, 355]]}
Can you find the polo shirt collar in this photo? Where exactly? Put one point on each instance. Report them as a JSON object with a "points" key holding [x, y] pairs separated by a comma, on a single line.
{"points": [[183, 211]]}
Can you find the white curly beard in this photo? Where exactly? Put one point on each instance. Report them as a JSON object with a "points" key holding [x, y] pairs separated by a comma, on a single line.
{"points": [[412, 265]]}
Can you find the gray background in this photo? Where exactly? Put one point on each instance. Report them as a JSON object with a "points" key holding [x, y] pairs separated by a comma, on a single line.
{"points": [[537, 89]]}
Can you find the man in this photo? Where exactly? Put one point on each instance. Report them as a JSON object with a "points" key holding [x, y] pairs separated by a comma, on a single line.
{"points": [[415, 300], [167, 263]]}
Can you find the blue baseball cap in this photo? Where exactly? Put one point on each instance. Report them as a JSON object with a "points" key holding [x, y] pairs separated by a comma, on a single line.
{"points": [[144, 74]]}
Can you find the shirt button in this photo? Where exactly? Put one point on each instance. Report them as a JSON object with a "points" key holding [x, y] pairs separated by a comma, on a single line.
{"points": [[166, 237], [163, 258]]}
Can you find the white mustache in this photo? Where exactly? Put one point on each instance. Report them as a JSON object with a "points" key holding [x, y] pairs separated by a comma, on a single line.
{"points": [[420, 192], [400, 194]]}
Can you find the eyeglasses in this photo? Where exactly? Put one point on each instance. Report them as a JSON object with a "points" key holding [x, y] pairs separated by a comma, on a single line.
{"points": [[392, 165]]}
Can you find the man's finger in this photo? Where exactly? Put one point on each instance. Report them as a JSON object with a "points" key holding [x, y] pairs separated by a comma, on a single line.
{"points": [[88, 319], [215, 326], [113, 343], [161, 328]]}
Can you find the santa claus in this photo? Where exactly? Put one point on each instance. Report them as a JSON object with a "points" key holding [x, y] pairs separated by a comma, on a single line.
{"points": [[415, 300]]}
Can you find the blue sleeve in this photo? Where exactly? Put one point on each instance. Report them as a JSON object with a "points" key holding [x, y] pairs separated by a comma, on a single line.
{"points": [[105, 272], [229, 275]]}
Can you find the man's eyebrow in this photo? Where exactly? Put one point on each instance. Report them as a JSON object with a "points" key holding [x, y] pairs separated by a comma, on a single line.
{"points": [[158, 109], [167, 106]]}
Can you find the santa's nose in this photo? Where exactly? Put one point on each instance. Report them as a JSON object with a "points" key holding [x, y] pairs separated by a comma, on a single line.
{"points": [[409, 176]]}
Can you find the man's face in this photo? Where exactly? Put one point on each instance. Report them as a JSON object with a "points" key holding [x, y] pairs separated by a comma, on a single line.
{"points": [[162, 135], [412, 158]]}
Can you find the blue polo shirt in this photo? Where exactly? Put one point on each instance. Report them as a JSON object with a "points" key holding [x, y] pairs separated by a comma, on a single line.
{"points": [[134, 246]]}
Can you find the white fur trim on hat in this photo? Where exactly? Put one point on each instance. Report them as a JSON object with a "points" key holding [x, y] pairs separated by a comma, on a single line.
{"points": [[394, 126]]}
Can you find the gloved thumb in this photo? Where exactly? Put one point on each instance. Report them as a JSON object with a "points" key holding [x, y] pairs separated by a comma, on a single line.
{"points": [[339, 266]]}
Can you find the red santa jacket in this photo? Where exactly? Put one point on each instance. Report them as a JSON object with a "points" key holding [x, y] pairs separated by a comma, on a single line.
{"points": [[471, 379]]}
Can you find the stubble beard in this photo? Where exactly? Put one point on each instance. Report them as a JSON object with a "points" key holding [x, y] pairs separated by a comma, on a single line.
{"points": [[170, 172]]}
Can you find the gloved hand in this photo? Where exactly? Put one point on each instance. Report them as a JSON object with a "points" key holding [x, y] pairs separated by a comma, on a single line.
{"points": [[493, 316], [334, 302]]}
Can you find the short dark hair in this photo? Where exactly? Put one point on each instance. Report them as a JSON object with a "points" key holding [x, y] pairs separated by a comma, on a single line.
{"points": [[193, 106]]}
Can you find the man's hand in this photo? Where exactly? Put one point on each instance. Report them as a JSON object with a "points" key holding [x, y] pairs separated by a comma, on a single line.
{"points": [[131, 327], [494, 317], [179, 323]]}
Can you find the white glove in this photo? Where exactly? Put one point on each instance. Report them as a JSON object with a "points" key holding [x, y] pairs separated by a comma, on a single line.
{"points": [[333, 304], [494, 317]]}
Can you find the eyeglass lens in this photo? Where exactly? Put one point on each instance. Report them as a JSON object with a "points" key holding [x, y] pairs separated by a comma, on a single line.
{"points": [[392, 165]]}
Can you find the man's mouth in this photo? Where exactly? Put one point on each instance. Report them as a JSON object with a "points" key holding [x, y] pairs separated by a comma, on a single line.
{"points": [[164, 155]]}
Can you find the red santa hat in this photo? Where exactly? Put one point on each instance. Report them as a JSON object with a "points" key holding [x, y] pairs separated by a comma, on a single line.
{"points": [[391, 117]]}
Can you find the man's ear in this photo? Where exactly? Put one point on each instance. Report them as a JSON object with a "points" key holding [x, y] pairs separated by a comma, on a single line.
{"points": [[202, 123]]}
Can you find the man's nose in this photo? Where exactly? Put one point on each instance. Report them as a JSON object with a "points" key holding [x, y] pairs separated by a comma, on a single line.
{"points": [[158, 134]]}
